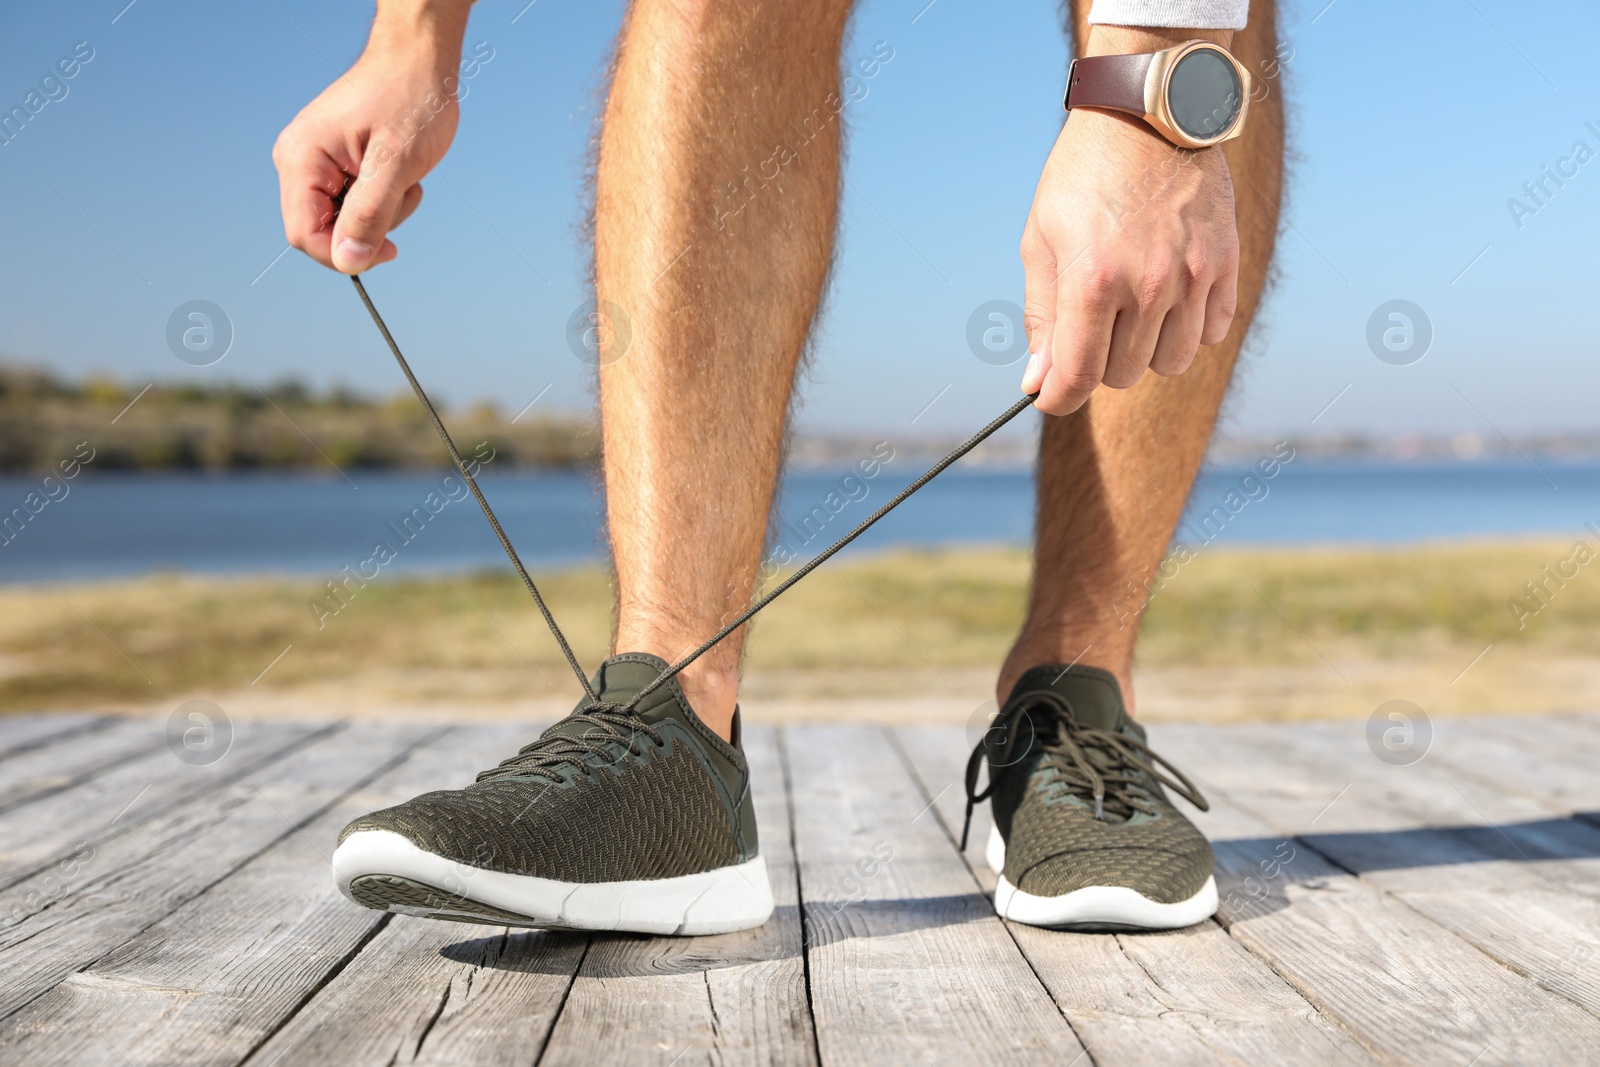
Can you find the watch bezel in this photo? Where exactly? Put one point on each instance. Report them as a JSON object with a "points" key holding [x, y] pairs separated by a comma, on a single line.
{"points": [[1157, 85]]}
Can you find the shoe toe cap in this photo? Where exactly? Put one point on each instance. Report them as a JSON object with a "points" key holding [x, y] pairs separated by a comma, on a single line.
{"points": [[1053, 852], [1164, 875], [445, 823]]}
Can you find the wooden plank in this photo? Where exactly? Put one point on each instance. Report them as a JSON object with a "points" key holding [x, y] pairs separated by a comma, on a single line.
{"points": [[423, 991], [1407, 988], [50, 831], [728, 999], [1579, 728], [212, 981], [1394, 825], [48, 768], [24, 732], [1504, 871], [1190, 996], [130, 880], [1471, 799], [907, 960], [494, 991], [1550, 757]]}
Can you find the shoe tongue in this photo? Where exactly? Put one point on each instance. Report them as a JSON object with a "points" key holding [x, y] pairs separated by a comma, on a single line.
{"points": [[1093, 694], [618, 681]]}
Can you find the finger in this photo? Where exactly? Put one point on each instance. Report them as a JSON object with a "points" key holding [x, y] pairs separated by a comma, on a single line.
{"points": [[308, 185], [1038, 305], [1133, 342], [1221, 303], [1180, 337], [408, 204], [368, 213], [1079, 342], [1138, 325]]}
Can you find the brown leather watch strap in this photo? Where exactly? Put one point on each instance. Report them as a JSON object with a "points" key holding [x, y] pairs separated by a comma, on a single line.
{"points": [[1108, 81]]}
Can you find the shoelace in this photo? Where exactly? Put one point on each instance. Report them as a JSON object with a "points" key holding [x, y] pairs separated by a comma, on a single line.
{"points": [[595, 704], [610, 724], [1118, 782]]}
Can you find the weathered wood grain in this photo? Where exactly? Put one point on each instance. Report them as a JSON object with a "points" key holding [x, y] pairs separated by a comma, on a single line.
{"points": [[1469, 801], [129, 881], [200, 926], [908, 962], [1406, 987], [729, 999], [1190, 996], [36, 837], [1578, 728], [1512, 875], [424, 991], [24, 732], [1554, 758], [48, 768], [213, 980], [495, 993]]}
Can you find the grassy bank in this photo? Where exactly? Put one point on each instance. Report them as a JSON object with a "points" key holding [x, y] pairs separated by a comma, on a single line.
{"points": [[1235, 633], [287, 426]]}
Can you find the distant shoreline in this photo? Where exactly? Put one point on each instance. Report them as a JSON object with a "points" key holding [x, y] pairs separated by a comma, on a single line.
{"points": [[283, 427], [290, 427], [1233, 458]]}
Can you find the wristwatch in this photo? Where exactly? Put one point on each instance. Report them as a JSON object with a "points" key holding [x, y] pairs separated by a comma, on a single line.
{"points": [[1195, 94]]}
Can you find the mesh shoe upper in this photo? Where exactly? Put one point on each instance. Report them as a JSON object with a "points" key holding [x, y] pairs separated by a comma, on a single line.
{"points": [[600, 797], [1078, 798]]}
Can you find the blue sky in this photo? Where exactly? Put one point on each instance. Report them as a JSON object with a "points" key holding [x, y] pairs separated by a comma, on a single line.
{"points": [[149, 184]]}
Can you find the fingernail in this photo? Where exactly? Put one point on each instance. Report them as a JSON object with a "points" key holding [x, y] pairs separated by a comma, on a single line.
{"points": [[1028, 372], [352, 253]]}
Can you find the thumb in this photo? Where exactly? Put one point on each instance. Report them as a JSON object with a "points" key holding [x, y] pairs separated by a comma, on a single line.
{"points": [[1038, 302], [1039, 316], [1039, 364], [369, 209]]}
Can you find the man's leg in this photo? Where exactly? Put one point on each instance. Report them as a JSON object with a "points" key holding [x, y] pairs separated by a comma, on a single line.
{"points": [[1113, 477], [714, 219]]}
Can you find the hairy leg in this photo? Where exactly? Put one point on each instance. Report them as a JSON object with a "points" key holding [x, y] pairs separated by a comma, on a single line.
{"points": [[1114, 476], [716, 192]]}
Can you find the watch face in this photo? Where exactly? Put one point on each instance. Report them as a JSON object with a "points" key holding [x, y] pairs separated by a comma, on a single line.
{"points": [[1204, 95]]}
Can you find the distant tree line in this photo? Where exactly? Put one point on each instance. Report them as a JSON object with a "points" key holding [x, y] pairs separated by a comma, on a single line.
{"points": [[286, 426]]}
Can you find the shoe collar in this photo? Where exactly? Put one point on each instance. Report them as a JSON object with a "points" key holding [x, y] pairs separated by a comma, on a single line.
{"points": [[1092, 693], [620, 678]]}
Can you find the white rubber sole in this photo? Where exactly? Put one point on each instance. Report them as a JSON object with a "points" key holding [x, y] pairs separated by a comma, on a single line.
{"points": [[1096, 906], [715, 902]]}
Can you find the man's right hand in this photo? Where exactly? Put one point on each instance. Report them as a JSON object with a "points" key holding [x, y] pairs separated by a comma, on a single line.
{"points": [[387, 122]]}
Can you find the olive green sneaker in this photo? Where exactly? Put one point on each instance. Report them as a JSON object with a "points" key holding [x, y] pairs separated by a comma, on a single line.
{"points": [[612, 820], [1084, 836]]}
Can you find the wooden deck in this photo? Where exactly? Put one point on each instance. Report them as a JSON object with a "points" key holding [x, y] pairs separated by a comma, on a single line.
{"points": [[1445, 912]]}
